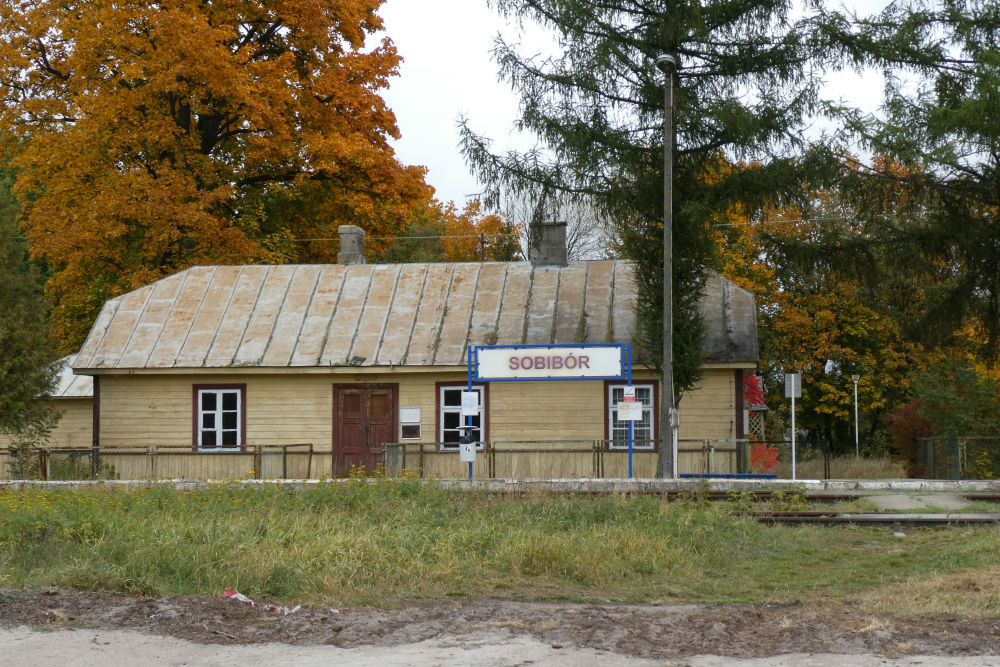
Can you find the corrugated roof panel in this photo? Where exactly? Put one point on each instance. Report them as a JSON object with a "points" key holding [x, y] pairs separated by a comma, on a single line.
{"points": [[288, 326], [122, 327], [455, 324], [69, 385], [236, 316], [402, 314], [82, 386], [729, 316], [151, 322], [424, 339], [486, 311], [316, 326], [597, 304], [542, 305], [85, 357], [624, 298], [373, 318], [569, 305], [345, 320], [259, 329], [514, 306], [182, 314], [209, 317], [416, 314]]}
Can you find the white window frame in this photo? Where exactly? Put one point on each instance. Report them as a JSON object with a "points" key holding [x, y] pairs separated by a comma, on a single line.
{"points": [[643, 441], [442, 409], [217, 415]]}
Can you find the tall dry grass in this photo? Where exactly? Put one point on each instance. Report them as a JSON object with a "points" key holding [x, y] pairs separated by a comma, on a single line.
{"points": [[842, 467], [371, 542]]}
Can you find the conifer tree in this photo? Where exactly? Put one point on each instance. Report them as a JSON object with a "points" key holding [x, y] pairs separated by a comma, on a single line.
{"points": [[746, 82], [26, 353], [932, 193]]}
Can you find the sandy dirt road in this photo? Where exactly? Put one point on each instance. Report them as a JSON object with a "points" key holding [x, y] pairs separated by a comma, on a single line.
{"points": [[59, 628]]}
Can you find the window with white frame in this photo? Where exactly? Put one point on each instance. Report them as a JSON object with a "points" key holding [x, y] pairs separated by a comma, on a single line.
{"points": [[220, 418], [642, 429], [450, 417]]}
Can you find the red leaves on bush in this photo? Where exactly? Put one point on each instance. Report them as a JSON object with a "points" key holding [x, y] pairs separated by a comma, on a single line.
{"points": [[753, 393], [763, 457]]}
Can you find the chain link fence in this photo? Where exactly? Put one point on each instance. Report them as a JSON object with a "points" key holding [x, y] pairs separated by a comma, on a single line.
{"points": [[973, 457]]}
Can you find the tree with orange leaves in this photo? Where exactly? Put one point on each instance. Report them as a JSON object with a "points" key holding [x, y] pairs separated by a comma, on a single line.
{"points": [[441, 233], [149, 137], [471, 235]]}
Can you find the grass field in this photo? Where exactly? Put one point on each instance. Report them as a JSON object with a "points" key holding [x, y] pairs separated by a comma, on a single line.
{"points": [[373, 542]]}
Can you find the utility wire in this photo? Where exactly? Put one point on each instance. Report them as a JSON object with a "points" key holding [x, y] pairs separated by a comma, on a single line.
{"points": [[407, 238], [377, 238], [790, 220]]}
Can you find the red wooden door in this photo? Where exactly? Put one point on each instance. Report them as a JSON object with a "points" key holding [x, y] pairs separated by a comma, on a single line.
{"points": [[364, 418]]}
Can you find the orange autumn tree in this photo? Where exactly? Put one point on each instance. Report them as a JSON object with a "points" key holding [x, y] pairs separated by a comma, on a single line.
{"points": [[149, 137], [472, 235], [441, 233]]}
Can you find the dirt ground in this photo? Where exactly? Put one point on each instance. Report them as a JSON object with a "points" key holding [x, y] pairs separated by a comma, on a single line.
{"points": [[664, 634]]}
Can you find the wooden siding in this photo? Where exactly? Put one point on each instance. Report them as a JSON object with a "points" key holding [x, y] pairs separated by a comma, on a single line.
{"points": [[145, 410], [709, 410], [567, 410], [158, 411], [75, 427]]}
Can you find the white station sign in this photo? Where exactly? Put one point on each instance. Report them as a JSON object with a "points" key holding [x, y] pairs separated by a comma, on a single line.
{"points": [[540, 363]]}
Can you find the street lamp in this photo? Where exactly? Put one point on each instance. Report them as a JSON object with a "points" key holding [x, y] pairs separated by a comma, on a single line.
{"points": [[856, 377], [667, 463]]}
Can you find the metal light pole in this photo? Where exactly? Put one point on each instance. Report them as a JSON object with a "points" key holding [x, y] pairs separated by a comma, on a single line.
{"points": [[667, 464], [856, 377]]}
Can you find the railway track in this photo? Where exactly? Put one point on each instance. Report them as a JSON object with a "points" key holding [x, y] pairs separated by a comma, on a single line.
{"points": [[876, 518]]}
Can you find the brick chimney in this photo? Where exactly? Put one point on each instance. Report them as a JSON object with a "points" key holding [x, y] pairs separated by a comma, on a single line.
{"points": [[352, 245], [551, 250]]}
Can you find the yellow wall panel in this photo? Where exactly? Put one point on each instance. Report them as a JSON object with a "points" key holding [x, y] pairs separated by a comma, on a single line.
{"points": [[74, 429], [145, 410]]}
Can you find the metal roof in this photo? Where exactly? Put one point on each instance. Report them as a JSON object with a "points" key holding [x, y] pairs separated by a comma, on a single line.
{"points": [[729, 313], [69, 385], [386, 314]]}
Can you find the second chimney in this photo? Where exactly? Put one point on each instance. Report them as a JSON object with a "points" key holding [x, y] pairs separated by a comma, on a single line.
{"points": [[551, 250], [352, 245]]}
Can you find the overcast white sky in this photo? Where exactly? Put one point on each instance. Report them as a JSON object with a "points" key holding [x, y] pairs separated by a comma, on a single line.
{"points": [[448, 72]]}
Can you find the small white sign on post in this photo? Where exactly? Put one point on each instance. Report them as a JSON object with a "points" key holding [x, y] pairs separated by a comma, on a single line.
{"points": [[793, 385], [793, 390], [467, 452], [630, 411], [470, 403], [629, 394]]}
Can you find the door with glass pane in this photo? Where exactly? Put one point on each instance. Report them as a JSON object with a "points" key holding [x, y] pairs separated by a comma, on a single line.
{"points": [[364, 419]]}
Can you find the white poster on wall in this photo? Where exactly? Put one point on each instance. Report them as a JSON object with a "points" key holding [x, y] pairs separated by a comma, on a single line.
{"points": [[409, 415], [630, 411]]}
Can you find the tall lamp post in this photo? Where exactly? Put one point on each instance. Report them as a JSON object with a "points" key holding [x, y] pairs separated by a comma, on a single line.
{"points": [[856, 377], [667, 463]]}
